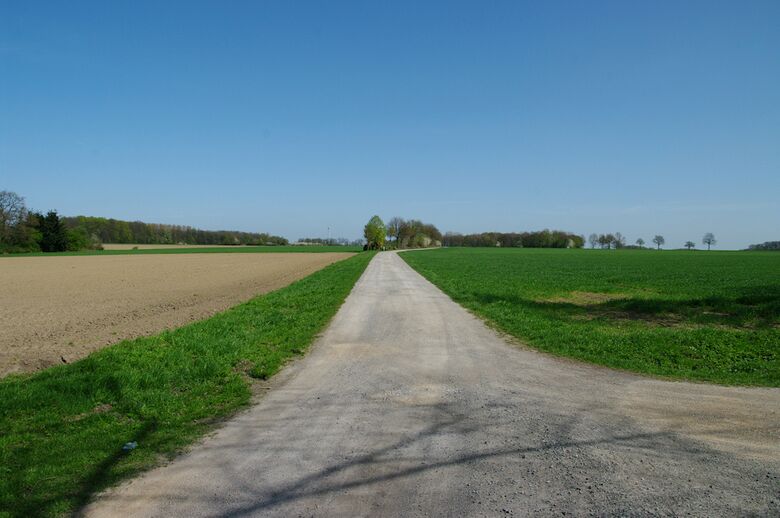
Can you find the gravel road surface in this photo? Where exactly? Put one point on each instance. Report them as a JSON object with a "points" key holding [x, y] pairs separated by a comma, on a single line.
{"points": [[410, 406]]}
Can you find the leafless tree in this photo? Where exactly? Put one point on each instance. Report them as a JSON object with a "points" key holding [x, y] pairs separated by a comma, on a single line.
{"points": [[394, 228], [709, 239], [12, 213]]}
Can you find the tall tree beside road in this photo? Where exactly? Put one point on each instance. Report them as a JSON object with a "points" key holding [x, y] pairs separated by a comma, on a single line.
{"points": [[375, 233]]}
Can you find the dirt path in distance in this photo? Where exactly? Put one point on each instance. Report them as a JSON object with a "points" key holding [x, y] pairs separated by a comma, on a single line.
{"points": [[123, 246]]}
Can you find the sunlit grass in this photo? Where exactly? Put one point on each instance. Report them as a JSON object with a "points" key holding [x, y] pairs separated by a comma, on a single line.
{"points": [[709, 316]]}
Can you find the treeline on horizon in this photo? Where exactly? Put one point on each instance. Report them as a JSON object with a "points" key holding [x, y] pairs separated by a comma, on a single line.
{"points": [[768, 245], [109, 230], [538, 239], [400, 233], [23, 230], [331, 241], [412, 233]]}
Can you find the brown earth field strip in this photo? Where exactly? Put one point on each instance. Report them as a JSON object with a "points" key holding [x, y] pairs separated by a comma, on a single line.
{"points": [[58, 309]]}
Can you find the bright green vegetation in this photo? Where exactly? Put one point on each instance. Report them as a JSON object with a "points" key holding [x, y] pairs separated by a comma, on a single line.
{"points": [[196, 250], [62, 430], [710, 316]]}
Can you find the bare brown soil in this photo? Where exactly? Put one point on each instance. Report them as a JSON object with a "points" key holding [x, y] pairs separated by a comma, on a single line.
{"points": [[58, 309]]}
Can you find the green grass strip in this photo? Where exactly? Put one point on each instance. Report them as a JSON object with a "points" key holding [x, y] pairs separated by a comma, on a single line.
{"points": [[196, 250], [62, 429]]}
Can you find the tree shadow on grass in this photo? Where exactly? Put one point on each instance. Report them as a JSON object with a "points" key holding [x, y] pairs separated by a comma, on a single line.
{"points": [[101, 475], [750, 308], [99, 478]]}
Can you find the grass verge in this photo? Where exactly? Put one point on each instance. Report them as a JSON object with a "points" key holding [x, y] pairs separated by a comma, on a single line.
{"points": [[62, 429], [196, 250], [705, 316]]}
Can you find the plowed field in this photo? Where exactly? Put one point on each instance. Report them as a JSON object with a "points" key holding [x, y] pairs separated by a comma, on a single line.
{"points": [[58, 309]]}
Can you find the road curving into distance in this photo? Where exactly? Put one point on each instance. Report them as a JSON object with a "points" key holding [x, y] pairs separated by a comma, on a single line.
{"points": [[410, 406]]}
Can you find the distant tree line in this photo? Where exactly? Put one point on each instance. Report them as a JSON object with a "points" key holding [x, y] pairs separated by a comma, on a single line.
{"points": [[608, 241], [617, 240], [768, 245], [333, 241], [400, 233], [22, 230], [117, 231], [539, 239], [413, 233]]}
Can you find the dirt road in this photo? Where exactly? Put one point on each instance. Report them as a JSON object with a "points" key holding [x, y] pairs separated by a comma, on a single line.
{"points": [[55, 309], [121, 246], [410, 406]]}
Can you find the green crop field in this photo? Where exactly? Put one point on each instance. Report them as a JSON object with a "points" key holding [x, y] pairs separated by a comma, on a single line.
{"points": [[197, 250], [709, 316]]}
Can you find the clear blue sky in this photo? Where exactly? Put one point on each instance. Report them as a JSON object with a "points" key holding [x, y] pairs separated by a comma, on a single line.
{"points": [[289, 117]]}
